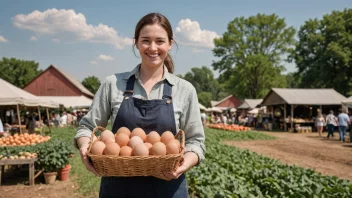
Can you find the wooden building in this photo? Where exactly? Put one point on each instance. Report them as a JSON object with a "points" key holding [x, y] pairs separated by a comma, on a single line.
{"points": [[227, 103], [59, 86]]}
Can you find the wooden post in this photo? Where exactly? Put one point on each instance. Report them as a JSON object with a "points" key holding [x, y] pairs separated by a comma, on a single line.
{"points": [[19, 118], [47, 115], [285, 126], [292, 129], [39, 114], [31, 174]]}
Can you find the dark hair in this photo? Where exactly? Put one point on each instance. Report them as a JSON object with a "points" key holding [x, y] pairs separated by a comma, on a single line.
{"points": [[157, 18]]}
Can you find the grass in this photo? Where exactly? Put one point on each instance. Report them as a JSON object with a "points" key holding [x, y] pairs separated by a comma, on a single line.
{"points": [[89, 184]]}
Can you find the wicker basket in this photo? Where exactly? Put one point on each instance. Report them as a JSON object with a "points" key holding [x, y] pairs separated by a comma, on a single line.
{"points": [[129, 166]]}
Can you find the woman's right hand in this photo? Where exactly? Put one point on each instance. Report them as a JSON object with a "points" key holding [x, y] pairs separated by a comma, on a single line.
{"points": [[83, 152]]}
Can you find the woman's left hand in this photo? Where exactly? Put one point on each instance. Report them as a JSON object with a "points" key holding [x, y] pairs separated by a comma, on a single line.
{"points": [[189, 160]]}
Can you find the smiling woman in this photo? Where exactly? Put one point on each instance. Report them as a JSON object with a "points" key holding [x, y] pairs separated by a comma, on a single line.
{"points": [[152, 98]]}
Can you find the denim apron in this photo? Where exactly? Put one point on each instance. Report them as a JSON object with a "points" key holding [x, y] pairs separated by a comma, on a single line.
{"points": [[150, 115]]}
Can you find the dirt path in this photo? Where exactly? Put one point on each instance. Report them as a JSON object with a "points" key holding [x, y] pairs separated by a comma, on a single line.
{"points": [[59, 189], [327, 156]]}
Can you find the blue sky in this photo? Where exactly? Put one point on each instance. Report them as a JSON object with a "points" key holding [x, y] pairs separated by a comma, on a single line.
{"points": [[95, 36]]}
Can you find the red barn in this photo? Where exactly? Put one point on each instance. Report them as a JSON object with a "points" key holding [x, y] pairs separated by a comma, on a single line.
{"points": [[57, 85], [228, 102]]}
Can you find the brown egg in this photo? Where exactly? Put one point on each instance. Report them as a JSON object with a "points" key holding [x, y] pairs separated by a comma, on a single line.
{"points": [[139, 132], [134, 141], [94, 138], [98, 148], [122, 139], [108, 141], [158, 148], [105, 135], [140, 150], [176, 141], [124, 130], [126, 151], [172, 148], [149, 145], [112, 149], [153, 137], [166, 137]]}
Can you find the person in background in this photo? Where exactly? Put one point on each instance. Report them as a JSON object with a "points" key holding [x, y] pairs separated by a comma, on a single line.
{"points": [[69, 118], [320, 122], [331, 122], [224, 118], [344, 121], [63, 119], [203, 117], [350, 126]]}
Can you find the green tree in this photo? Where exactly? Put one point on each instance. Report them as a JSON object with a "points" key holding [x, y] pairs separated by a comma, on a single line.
{"points": [[293, 80], [324, 52], [92, 83], [251, 53], [18, 72], [207, 87]]}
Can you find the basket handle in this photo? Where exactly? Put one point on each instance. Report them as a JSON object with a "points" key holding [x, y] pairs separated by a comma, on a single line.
{"points": [[92, 136], [182, 133]]}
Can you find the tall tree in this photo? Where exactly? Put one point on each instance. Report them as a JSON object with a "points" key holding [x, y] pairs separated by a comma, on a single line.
{"points": [[293, 80], [18, 72], [251, 53], [324, 52], [207, 87], [92, 83]]}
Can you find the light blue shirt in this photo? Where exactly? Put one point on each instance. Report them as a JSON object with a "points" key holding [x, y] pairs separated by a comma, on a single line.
{"points": [[343, 119]]}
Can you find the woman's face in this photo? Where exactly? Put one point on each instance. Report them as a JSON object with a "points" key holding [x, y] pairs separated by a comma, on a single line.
{"points": [[153, 45]]}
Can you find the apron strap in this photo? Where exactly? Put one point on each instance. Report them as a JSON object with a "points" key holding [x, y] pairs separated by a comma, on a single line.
{"points": [[129, 86], [167, 90]]}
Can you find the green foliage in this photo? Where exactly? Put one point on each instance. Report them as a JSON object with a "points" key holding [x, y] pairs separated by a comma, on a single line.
{"points": [[324, 52], [204, 98], [293, 80], [231, 172], [203, 81], [251, 52], [18, 72], [54, 155], [92, 83]]}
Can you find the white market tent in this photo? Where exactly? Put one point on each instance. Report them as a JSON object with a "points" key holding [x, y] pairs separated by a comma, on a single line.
{"points": [[201, 107], [12, 95], [70, 101], [347, 102]]}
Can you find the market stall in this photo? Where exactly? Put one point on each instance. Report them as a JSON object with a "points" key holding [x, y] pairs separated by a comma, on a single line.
{"points": [[13, 97], [347, 102], [299, 107]]}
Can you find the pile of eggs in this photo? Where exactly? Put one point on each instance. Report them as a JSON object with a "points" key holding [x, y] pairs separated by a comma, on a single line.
{"points": [[135, 143]]}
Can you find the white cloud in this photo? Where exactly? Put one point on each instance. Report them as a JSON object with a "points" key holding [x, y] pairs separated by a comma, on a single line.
{"points": [[67, 24], [3, 39], [55, 40], [33, 38], [105, 58], [189, 33], [197, 50]]}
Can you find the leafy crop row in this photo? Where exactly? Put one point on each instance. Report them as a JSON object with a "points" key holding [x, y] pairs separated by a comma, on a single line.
{"points": [[232, 172]]}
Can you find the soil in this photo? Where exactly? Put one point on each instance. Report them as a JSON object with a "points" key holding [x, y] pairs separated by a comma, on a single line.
{"points": [[327, 156], [16, 186]]}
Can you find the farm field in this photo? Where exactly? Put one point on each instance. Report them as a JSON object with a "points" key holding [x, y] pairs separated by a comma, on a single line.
{"points": [[227, 171], [327, 156]]}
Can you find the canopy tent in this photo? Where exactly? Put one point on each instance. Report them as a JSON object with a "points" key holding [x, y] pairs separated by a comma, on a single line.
{"points": [[250, 103], [70, 101], [347, 102], [12, 95], [201, 107], [214, 109]]}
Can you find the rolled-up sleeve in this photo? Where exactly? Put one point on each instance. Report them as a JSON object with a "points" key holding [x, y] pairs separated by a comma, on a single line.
{"points": [[98, 114], [192, 125]]}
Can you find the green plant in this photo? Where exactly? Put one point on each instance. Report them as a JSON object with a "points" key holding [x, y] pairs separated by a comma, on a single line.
{"points": [[54, 155]]}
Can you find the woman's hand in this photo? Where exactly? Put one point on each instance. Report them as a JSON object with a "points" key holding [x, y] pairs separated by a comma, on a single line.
{"points": [[189, 160], [83, 152]]}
